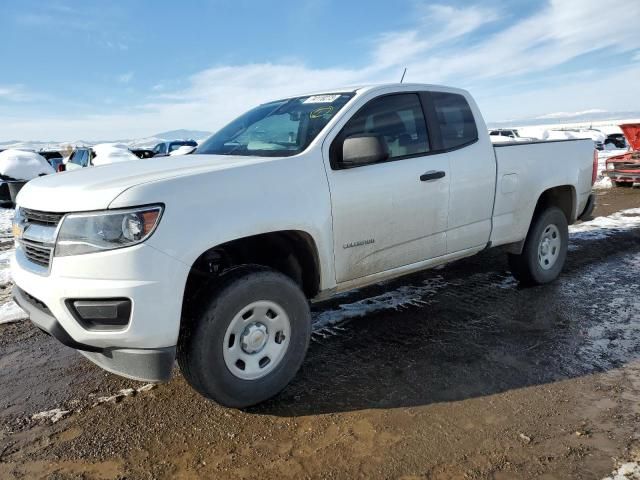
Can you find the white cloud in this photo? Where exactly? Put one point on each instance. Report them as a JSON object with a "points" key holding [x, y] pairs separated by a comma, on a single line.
{"points": [[438, 25], [15, 93], [569, 114], [436, 49]]}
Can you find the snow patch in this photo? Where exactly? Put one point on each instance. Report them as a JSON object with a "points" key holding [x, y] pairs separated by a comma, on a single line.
{"points": [[54, 415], [627, 471], [603, 227], [22, 165], [402, 297], [10, 312], [602, 183]]}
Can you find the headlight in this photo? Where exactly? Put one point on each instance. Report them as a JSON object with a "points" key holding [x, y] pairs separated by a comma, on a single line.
{"points": [[611, 166], [99, 231]]}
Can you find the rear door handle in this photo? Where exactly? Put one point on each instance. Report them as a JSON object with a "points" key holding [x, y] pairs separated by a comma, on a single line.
{"points": [[432, 175]]}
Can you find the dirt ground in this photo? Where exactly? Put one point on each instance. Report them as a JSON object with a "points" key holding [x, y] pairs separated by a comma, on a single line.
{"points": [[474, 377]]}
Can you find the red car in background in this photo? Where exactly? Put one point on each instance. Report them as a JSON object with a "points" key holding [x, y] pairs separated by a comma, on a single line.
{"points": [[624, 170]]}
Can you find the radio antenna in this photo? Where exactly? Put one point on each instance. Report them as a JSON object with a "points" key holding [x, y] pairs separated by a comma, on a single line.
{"points": [[403, 74]]}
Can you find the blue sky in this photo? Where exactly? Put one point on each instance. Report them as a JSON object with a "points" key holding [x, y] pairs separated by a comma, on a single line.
{"points": [[123, 69]]}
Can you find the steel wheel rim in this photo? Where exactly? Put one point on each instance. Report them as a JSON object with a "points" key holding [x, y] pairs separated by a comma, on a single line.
{"points": [[256, 340], [549, 247]]}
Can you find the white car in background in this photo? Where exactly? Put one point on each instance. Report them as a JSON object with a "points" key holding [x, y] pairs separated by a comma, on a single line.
{"points": [[101, 154], [503, 135]]}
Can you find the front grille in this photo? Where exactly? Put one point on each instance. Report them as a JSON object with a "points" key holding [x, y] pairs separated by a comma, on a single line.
{"points": [[44, 218], [39, 254], [35, 251]]}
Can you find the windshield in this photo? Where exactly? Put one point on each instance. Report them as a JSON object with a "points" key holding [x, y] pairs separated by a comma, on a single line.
{"points": [[175, 145], [281, 128]]}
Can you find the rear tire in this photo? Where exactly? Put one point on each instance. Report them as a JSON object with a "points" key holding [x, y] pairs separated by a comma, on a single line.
{"points": [[248, 337], [545, 249]]}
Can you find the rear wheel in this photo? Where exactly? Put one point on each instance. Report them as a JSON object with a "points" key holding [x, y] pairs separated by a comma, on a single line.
{"points": [[545, 249], [248, 338]]}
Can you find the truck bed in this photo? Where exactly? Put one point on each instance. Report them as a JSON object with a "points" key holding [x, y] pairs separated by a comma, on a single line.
{"points": [[525, 170]]}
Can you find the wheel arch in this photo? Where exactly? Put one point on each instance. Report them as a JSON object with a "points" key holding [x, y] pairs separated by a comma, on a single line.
{"points": [[563, 197], [291, 252]]}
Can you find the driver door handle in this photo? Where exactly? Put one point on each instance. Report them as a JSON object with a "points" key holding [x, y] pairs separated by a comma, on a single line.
{"points": [[432, 175]]}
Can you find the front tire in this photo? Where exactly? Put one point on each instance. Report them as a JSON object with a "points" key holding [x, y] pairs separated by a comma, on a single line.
{"points": [[247, 339], [545, 249]]}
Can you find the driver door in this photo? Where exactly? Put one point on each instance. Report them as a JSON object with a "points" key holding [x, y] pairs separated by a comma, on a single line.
{"points": [[394, 212]]}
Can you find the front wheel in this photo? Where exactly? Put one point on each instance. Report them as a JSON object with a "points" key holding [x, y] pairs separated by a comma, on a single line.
{"points": [[248, 338], [545, 249]]}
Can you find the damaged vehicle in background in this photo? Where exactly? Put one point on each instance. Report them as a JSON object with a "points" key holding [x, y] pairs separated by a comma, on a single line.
{"points": [[624, 170]]}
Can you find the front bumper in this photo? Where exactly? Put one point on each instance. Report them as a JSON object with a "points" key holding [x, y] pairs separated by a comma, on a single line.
{"points": [[144, 349], [153, 365], [624, 176]]}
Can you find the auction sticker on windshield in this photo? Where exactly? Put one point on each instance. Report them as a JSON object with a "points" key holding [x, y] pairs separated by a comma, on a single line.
{"points": [[322, 99]]}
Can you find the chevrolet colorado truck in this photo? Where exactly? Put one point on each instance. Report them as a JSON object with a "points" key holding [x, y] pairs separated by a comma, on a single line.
{"points": [[213, 260]]}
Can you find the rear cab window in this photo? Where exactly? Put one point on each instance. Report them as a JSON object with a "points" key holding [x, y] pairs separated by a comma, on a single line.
{"points": [[455, 120]]}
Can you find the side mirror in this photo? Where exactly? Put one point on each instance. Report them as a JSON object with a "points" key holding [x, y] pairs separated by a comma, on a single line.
{"points": [[362, 150]]}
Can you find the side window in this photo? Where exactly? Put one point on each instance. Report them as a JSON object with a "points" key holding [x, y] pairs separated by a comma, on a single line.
{"points": [[457, 125], [74, 157], [397, 120]]}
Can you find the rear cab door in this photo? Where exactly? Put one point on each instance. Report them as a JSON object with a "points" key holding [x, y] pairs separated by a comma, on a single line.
{"points": [[455, 120]]}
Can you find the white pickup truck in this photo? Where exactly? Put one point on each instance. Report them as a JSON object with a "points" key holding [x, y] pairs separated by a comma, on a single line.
{"points": [[214, 259]]}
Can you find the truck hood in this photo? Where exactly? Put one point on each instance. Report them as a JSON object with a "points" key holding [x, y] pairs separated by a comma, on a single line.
{"points": [[94, 188], [632, 134]]}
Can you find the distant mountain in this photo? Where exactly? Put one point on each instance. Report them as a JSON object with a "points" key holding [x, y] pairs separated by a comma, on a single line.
{"points": [[183, 134], [148, 142]]}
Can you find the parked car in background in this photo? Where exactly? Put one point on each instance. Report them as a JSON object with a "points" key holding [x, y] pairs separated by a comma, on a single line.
{"points": [[616, 141], [505, 132], [183, 150], [594, 134], [165, 148], [143, 152], [101, 154], [624, 170], [503, 135], [214, 258], [17, 167], [80, 158], [55, 159]]}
